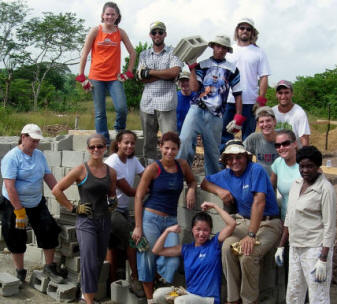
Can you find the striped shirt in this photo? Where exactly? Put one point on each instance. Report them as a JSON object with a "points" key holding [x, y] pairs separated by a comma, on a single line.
{"points": [[160, 95]]}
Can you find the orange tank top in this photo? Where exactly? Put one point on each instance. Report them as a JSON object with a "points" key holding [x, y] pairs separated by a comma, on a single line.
{"points": [[105, 56]]}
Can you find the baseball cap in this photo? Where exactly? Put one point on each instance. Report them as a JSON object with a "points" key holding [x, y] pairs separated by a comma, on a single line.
{"points": [[157, 25], [284, 83], [222, 40], [261, 111], [184, 75], [33, 131]]}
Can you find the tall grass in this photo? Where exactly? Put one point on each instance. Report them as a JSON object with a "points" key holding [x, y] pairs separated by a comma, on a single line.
{"points": [[11, 122]]}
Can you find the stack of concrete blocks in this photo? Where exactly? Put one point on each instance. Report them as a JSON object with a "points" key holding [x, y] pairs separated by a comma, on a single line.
{"points": [[9, 285], [272, 283]]}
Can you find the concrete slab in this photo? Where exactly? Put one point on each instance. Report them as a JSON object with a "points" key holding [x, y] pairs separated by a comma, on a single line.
{"points": [[9, 284]]}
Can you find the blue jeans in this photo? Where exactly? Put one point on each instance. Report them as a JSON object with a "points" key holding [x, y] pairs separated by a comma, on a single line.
{"points": [[248, 126], [148, 263], [116, 91], [209, 126]]}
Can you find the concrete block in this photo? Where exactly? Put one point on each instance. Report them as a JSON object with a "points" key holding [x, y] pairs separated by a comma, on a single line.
{"points": [[66, 217], [4, 148], [47, 192], [72, 158], [80, 142], [34, 254], [69, 249], [53, 206], [73, 263], [73, 276], [54, 158], [62, 292], [59, 172], [68, 233], [63, 142], [185, 217], [72, 193], [9, 284], [120, 294], [45, 145], [190, 47], [39, 281]]}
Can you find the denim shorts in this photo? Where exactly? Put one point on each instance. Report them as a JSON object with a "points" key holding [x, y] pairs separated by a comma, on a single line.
{"points": [[149, 264]]}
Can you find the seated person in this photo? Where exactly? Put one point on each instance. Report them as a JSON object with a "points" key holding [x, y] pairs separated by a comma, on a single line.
{"points": [[202, 258], [257, 220], [262, 144]]}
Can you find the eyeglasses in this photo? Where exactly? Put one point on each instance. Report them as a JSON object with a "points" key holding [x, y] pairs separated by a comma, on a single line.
{"points": [[159, 32], [93, 147], [283, 144], [247, 28]]}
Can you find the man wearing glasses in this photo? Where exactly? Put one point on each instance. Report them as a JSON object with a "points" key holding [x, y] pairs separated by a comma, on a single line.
{"points": [[290, 115], [245, 185], [254, 69], [158, 68]]}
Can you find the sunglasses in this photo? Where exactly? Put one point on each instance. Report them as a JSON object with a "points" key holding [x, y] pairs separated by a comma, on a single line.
{"points": [[283, 144], [93, 147], [247, 28], [159, 32]]}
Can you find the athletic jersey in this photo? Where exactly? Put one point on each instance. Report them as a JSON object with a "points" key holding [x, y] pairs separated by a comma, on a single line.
{"points": [[105, 56], [203, 270], [94, 190], [165, 190]]}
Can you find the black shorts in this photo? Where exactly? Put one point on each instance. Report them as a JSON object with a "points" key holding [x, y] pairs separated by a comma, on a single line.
{"points": [[43, 224], [120, 231]]}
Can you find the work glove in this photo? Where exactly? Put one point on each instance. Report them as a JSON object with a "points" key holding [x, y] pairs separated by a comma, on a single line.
{"points": [[320, 271], [143, 73], [21, 220], [125, 76], [236, 124], [192, 63], [260, 102], [112, 203], [82, 209], [86, 85], [279, 256], [142, 246], [237, 249]]}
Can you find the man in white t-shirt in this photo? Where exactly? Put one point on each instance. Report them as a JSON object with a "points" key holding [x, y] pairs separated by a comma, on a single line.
{"points": [[290, 115], [254, 69]]}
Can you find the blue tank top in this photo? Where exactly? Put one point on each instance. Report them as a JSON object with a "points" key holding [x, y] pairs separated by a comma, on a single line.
{"points": [[165, 190]]}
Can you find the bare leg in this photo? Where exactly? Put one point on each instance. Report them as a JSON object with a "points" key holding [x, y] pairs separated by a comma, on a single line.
{"points": [[148, 289], [111, 257], [89, 298], [49, 255], [132, 257], [18, 260]]}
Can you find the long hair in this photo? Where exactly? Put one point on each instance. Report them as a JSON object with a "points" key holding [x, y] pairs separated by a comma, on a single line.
{"points": [[116, 8], [119, 138], [253, 37]]}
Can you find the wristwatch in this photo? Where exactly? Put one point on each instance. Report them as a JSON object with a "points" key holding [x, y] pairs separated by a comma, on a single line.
{"points": [[251, 234]]}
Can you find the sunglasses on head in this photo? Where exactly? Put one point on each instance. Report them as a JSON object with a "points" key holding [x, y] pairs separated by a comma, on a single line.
{"points": [[247, 28], [155, 32], [283, 144], [93, 147]]}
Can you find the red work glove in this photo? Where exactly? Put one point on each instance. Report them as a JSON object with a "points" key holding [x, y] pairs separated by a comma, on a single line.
{"points": [[236, 124], [86, 85], [125, 76], [261, 101]]}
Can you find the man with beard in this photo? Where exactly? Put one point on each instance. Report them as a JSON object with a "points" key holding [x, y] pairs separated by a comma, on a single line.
{"points": [[254, 71], [158, 69]]}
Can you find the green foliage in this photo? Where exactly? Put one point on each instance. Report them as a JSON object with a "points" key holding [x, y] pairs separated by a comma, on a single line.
{"points": [[133, 88]]}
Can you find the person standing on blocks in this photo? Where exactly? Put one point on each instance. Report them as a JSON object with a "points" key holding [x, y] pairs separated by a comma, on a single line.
{"points": [[104, 43], [254, 69], [158, 69], [258, 227], [211, 78], [290, 115]]}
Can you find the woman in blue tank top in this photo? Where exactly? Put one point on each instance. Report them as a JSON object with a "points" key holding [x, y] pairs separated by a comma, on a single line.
{"points": [[164, 181]]}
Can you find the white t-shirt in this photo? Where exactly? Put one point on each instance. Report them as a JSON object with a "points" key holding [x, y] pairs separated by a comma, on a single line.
{"points": [[128, 171], [296, 120], [252, 63]]}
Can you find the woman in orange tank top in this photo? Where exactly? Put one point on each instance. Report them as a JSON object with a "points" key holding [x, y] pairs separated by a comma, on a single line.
{"points": [[103, 42]]}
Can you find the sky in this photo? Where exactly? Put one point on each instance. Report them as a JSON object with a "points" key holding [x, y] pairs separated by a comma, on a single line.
{"points": [[298, 36]]}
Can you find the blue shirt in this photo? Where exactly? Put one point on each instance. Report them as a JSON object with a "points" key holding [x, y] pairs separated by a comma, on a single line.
{"points": [[203, 270], [183, 106], [254, 179], [28, 172]]}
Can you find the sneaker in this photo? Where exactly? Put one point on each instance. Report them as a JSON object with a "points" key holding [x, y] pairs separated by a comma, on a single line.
{"points": [[21, 275], [136, 287], [51, 272]]}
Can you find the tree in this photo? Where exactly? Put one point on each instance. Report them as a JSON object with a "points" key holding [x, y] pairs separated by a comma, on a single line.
{"points": [[12, 54], [54, 40], [133, 88]]}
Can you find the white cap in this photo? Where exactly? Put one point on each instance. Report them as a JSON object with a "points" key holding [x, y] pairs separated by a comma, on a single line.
{"points": [[33, 131], [248, 21]]}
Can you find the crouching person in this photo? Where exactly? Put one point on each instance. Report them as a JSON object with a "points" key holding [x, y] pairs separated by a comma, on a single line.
{"points": [[23, 169], [202, 259]]}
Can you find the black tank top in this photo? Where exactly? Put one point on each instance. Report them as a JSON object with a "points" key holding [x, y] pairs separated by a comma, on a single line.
{"points": [[94, 190]]}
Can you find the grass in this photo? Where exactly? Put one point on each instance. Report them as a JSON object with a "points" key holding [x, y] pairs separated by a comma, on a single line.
{"points": [[12, 122]]}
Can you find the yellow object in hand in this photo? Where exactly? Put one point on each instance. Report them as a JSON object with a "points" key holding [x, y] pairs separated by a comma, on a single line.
{"points": [[21, 221]]}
